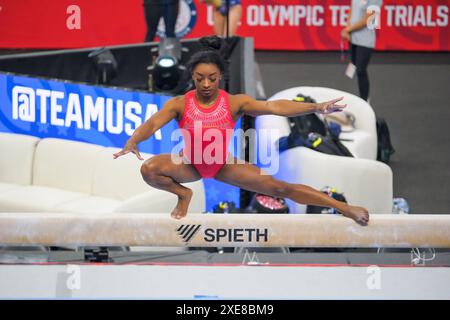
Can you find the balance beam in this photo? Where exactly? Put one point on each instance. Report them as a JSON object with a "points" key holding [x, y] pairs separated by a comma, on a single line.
{"points": [[224, 230]]}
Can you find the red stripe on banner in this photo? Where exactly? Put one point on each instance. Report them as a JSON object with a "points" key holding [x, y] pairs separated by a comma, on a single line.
{"points": [[412, 25]]}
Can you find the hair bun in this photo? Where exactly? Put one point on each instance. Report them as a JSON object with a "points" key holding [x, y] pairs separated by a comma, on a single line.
{"points": [[211, 42]]}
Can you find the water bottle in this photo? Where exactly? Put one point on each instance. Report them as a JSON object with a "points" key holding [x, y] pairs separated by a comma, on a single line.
{"points": [[315, 139], [400, 206], [225, 207]]}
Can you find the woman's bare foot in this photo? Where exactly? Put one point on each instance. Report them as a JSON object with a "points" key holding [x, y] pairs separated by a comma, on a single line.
{"points": [[181, 209], [359, 214]]}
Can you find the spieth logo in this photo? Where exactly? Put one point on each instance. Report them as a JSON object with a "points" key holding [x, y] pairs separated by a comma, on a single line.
{"points": [[188, 231], [187, 16]]}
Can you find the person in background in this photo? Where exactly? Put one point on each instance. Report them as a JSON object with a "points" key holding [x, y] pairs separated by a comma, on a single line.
{"points": [[361, 34], [220, 16], [154, 10]]}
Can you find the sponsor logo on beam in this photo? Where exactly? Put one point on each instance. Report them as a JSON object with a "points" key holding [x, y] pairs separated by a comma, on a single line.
{"points": [[188, 231]]}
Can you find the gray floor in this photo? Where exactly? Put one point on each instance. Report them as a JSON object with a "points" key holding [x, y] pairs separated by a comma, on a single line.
{"points": [[410, 90], [326, 256]]}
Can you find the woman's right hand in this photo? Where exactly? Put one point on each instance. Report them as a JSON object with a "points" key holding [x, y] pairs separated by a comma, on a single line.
{"points": [[359, 214], [130, 146], [345, 34]]}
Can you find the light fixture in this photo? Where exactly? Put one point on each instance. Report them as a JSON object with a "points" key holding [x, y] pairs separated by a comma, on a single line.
{"points": [[165, 73], [105, 63]]}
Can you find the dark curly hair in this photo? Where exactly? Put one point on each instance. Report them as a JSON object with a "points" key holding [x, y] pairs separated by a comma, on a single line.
{"points": [[210, 53]]}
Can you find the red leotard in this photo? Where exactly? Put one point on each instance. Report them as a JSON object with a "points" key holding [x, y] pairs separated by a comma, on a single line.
{"points": [[207, 133]]}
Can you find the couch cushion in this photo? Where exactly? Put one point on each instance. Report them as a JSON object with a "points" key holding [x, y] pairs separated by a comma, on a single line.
{"points": [[4, 187], [16, 161], [35, 199], [88, 204], [118, 178], [64, 164], [152, 201], [8, 186]]}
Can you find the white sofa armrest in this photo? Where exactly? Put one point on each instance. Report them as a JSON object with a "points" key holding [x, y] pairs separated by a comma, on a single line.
{"points": [[364, 182], [17, 156]]}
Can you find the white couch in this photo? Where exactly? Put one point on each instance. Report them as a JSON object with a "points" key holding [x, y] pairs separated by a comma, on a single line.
{"points": [[363, 180], [55, 175]]}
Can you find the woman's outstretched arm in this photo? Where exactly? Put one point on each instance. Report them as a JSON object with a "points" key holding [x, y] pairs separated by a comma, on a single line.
{"points": [[148, 128], [248, 105]]}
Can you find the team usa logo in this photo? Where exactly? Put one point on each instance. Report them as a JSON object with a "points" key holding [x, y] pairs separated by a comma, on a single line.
{"points": [[187, 17]]}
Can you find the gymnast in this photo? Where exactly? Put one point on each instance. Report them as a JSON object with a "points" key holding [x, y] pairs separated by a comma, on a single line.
{"points": [[209, 107]]}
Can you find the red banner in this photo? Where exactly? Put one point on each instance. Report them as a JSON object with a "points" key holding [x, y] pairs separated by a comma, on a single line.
{"points": [[413, 25]]}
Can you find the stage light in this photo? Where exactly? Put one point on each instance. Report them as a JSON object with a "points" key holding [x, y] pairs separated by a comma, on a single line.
{"points": [[166, 62], [166, 71], [106, 65]]}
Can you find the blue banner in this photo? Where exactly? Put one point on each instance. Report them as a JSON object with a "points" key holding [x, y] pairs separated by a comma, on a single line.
{"points": [[98, 115]]}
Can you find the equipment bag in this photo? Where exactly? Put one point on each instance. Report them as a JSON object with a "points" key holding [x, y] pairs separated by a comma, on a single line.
{"points": [[385, 148], [311, 132]]}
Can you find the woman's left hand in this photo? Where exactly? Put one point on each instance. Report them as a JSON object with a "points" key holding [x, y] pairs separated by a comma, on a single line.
{"points": [[330, 106]]}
